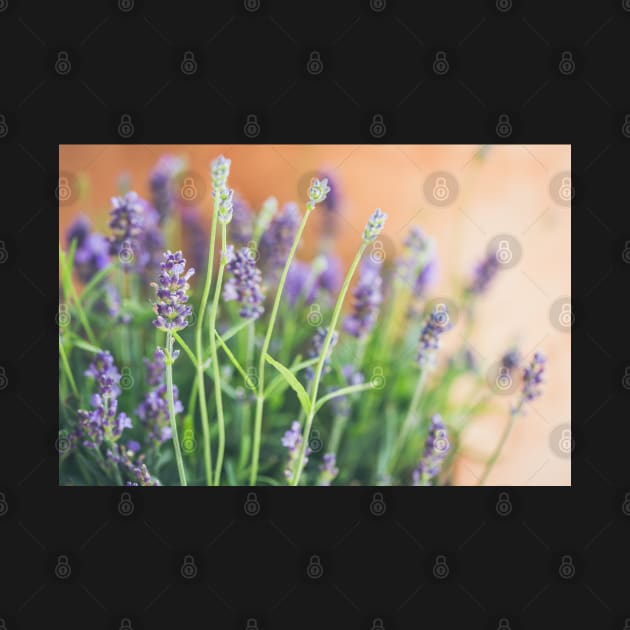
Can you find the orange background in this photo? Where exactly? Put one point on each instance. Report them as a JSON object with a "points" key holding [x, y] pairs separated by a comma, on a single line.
{"points": [[505, 191]]}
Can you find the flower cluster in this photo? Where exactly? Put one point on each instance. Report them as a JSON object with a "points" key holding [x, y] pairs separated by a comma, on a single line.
{"points": [[153, 411], [435, 450], [367, 300], [317, 192], [126, 224], [317, 345], [172, 309], [220, 169], [417, 268], [103, 421], [436, 324], [484, 273], [511, 359], [245, 284], [92, 249], [123, 459], [242, 225], [161, 184], [226, 204], [328, 469], [306, 281], [374, 225], [277, 239], [292, 440], [533, 377]]}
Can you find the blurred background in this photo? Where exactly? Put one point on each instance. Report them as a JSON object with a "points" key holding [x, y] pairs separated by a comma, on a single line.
{"points": [[464, 197]]}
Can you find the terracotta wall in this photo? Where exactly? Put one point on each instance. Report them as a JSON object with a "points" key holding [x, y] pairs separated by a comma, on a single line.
{"points": [[501, 189]]}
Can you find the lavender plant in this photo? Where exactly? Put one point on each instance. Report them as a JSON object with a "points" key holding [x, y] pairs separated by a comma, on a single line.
{"points": [[289, 356]]}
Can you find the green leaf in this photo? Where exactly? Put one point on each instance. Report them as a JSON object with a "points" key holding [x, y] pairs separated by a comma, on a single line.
{"points": [[84, 345], [293, 382]]}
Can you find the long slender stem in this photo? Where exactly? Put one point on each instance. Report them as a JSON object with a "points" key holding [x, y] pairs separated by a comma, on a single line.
{"points": [[295, 479], [203, 408], [411, 413], [497, 451], [260, 398], [216, 374], [68, 371], [171, 408]]}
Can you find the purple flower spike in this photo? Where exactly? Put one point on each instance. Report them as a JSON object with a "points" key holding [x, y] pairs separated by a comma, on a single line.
{"points": [[317, 345], [484, 273], [292, 440], [328, 469], [374, 225], [103, 421], [242, 225], [437, 323], [435, 450], [127, 224], [417, 268], [367, 300], [245, 285], [533, 377], [171, 289], [317, 192], [511, 359], [277, 240], [195, 237], [161, 184], [92, 251]]}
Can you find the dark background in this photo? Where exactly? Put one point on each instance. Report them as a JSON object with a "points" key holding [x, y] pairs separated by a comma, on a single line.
{"points": [[376, 567]]}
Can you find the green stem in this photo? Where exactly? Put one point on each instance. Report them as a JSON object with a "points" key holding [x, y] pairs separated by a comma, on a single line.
{"points": [[67, 370], [490, 463], [207, 455], [171, 408], [187, 350], [295, 479], [335, 436], [260, 399], [351, 389], [410, 420], [216, 374]]}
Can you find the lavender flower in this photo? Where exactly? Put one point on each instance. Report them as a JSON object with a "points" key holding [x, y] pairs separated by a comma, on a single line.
{"points": [[417, 268], [317, 192], [292, 440], [127, 223], [374, 225], [367, 300], [245, 285], [533, 378], [511, 359], [484, 273], [317, 345], [92, 251], [242, 225], [153, 411], [328, 469], [226, 204], [220, 169], [171, 309], [277, 240], [435, 449], [307, 281], [161, 185], [134, 468], [195, 237], [436, 324], [103, 421]]}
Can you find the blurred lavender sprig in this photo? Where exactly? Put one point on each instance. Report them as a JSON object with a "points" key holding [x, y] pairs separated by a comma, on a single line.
{"points": [[367, 300], [292, 440], [245, 285], [435, 450], [172, 309], [328, 469], [436, 324]]}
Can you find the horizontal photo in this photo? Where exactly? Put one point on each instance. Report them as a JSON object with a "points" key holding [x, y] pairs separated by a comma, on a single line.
{"points": [[314, 315]]}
